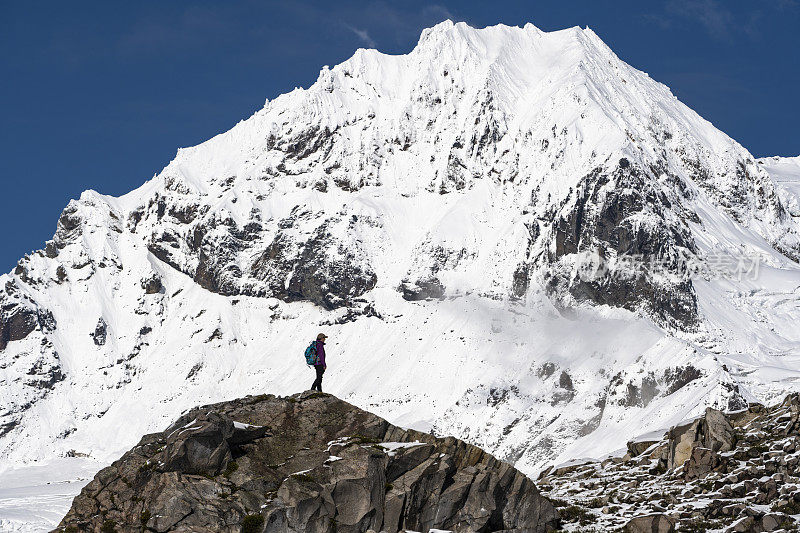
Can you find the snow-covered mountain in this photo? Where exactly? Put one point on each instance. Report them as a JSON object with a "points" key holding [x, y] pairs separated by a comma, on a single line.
{"points": [[504, 232]]}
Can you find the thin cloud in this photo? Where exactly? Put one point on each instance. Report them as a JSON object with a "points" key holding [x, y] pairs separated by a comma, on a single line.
{"points": [[436, 11], [363, 35], [713, 16], [397, 26], [719, 21], [191, 27], [661, 20], [753, 25]]}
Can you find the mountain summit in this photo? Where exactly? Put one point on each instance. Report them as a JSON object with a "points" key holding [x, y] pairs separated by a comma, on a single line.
{"points": [[505, 232]]}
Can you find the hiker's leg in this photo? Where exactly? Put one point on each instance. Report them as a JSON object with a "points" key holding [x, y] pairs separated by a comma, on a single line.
{"points": [[318, 382], [320, 371]]}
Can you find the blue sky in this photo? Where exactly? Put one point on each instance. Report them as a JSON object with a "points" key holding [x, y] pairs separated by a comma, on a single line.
{"points": [[101, 94]]}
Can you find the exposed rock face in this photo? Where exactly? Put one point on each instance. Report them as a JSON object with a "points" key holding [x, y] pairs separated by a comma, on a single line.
{"points": [[740, 475], [37, 368], [323, 266], [328, 273], [100, 332], [422, 290], [152, 285], [309, 462], [17, 321], [620, 213]]}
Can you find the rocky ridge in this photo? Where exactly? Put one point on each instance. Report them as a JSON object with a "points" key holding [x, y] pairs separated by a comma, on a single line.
{"points": [[309, 462], [731, 472]]}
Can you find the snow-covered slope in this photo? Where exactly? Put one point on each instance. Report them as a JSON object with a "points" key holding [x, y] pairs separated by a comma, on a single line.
{"points": [[442, 216]]}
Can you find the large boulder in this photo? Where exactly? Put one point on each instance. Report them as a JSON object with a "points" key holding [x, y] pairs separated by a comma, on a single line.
{"points": [[309, 462], [701, 462], [792, 404], [203, 446], [758, 524], [681, 440], [718, 434], [638, 447], [653, 523], [713, 431]]}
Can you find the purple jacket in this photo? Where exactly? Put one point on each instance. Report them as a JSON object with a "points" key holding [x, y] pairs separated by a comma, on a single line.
{"points": [[320, 354]]}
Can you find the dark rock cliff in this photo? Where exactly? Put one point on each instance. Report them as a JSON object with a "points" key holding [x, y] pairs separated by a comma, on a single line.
{"points": [[309, 462], [624, 214]]}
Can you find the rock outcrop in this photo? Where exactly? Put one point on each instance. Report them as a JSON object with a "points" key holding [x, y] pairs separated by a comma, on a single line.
{"points": [[712, 431], [731, 472], [309, 462], [16, 322], [608, 220], [654, 523]]}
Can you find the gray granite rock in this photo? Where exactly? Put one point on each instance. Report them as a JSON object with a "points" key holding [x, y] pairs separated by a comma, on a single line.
{"points": [[309, 462]]}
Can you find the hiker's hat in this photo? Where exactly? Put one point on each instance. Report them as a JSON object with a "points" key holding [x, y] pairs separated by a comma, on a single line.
{"points": [[321, 337]]}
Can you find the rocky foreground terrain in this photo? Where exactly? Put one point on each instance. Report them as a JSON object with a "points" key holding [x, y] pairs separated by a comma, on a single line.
{"points": [[308, 462], [734, 472], [311, 462]]}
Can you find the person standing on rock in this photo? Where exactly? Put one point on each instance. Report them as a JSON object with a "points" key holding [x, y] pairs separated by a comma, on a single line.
{"points": [[319, 365]]}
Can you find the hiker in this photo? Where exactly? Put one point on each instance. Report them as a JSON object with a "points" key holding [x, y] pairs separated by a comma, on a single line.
{"points": [[319, 365]]}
